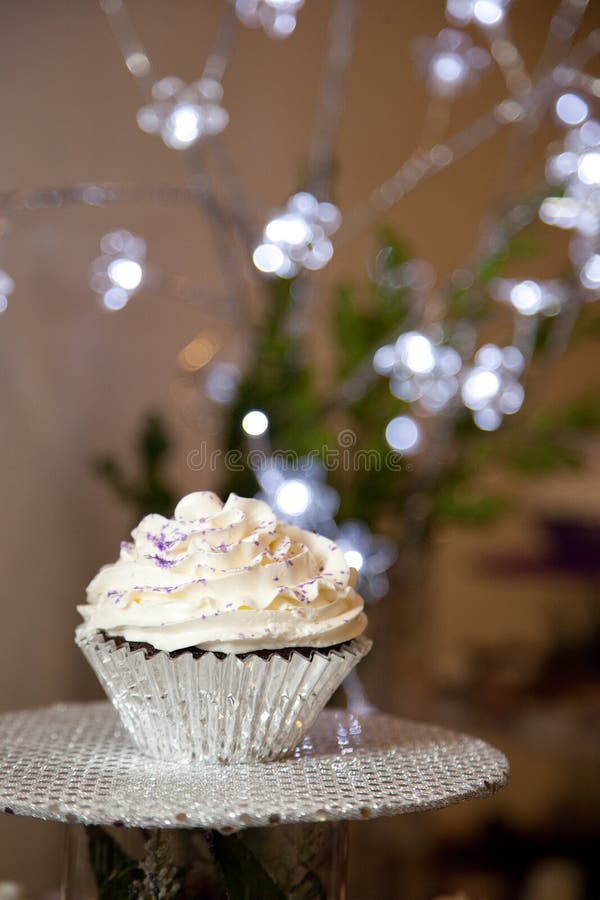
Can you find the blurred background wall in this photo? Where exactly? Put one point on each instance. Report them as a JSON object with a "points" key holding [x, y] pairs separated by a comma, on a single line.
{"points": [[75, 381]]}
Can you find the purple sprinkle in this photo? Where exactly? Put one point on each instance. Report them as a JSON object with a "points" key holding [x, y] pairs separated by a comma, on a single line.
{"points": [[161, 561]]}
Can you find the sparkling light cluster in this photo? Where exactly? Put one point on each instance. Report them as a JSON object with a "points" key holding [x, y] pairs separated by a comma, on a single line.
{"points": [[370, 554], [420, 370], [530, 298], [450, 62], [277, 18], [486, 13], [182, 113], [118, 274], [429, 375], [299, 494], [577, 169], [491, 389], [298, 237], [7, 286]]}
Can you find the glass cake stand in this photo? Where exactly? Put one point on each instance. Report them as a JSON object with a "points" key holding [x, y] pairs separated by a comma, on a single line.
{"points": [[160, 829]]}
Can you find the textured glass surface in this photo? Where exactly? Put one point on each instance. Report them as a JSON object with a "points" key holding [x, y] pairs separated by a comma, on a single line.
{"points": [[233, 709], [75, 763]]}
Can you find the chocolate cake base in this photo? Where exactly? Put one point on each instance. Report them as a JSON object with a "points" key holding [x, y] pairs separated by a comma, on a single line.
{"points": [[197, 652]]}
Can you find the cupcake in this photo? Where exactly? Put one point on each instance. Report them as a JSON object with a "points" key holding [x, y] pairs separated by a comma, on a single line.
{"points": [[220, 634]]}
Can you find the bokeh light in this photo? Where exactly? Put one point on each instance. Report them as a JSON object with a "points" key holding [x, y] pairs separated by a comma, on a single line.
{"points": [[403, 434], [183, 113], [255, 423], [118, 274], [491, 388], [277, 18], [298, 237]]}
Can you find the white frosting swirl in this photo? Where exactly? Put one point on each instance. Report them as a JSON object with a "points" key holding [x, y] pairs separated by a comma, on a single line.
{"points": [[227, 577]]}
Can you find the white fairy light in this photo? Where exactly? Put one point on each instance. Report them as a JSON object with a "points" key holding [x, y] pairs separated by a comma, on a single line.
{"points": [[530, 298], [255, 423], [119, 273], [420, 370], [571, 109], [491, 388], [370, 554], [298, 493], [354, 558], [126, 274], [403, 434], [578, 169], [298, 237], [588, 169], [450, 61], [182, 113], [221, 383], [293, 497], [277, 18], [486, 13], [589, 274], [7, 286], [115, 298]]}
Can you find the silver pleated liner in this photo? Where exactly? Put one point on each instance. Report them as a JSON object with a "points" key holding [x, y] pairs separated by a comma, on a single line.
{"points": [[210, 709]]}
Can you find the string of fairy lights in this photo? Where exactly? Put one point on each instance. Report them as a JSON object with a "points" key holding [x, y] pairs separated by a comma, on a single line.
{"points": [[432, 370]]}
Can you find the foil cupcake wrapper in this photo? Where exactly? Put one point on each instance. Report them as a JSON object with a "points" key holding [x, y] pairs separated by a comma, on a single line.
{"points": [[212, 709]]}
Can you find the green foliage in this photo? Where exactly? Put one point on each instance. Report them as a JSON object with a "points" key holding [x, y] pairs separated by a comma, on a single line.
{"points": [[468, 506], [584, 414], [281, 383], [588, 322], [114, 872], [148, 491], [156, 877], [361, 327], [551, 442], [473, 301], [537, 458], [244, 876]]}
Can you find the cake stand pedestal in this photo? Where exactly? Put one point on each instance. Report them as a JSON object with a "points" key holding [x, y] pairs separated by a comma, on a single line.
{"points": [[164, 822]]}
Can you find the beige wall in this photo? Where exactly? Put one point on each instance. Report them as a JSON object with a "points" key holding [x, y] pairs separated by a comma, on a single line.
{"points": [[74, 381]]}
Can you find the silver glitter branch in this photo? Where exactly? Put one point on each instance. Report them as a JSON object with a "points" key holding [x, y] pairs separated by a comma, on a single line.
{"points": [[223, 218], [133, 51], [419, 168], [217, 62], [339, 55]]}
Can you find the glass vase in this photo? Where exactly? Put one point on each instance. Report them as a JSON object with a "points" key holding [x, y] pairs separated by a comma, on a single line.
{"points": [[297, 862]]}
